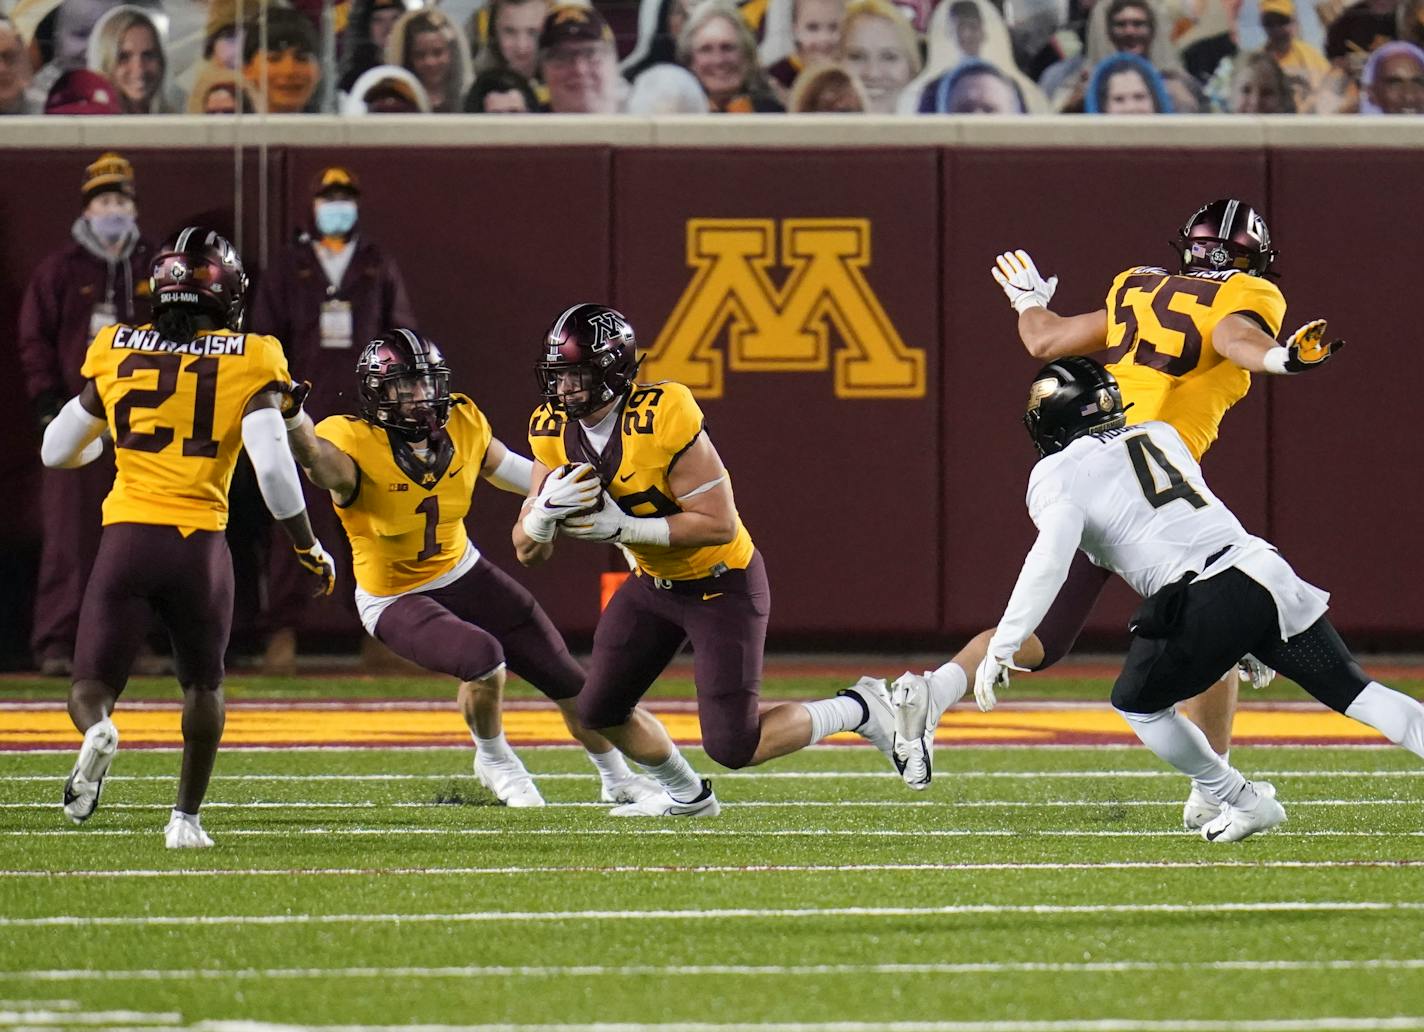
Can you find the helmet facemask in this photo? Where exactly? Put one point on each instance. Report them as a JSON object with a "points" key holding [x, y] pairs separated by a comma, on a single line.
{"points": [[414, 405]]}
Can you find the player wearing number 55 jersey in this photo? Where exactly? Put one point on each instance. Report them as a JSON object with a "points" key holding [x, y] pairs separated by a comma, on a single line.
{"points": [[617, 461], [1132, 499], [181, 398], [401, 475]]}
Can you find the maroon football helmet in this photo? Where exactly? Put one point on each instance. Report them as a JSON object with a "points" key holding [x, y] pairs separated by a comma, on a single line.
{"points": [[403, 384], [590, 358], [199, 267], [1226, 234]]}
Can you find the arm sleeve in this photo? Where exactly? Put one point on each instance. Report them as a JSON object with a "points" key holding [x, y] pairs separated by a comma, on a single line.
{"points": [[72, 438], [1060, 529], [264, 435], [514, 473]]}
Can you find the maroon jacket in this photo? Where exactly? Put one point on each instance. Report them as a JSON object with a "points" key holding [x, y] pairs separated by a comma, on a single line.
{"points": [[54, 315], [288, 306]]}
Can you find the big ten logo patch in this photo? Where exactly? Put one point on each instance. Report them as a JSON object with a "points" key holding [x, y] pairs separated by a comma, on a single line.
{"points": [[786, 328]]}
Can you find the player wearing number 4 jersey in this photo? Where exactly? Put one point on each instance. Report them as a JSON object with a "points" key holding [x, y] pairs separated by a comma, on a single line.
{"points": [[616, 461], [1193, 339], [401, 476], [181, 398], [1132, 500]]}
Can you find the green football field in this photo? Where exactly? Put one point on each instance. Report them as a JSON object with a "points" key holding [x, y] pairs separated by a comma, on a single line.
{"points": [[1047, 889]]}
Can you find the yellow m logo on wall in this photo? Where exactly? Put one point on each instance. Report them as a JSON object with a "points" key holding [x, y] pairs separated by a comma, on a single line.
{"points": [[786, 329]]}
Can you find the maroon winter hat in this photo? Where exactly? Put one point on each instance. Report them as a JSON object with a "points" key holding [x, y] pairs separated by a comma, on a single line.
{"points": [[82, 92]]}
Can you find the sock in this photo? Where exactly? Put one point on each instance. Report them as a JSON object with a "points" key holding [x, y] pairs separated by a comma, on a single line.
{"points": [[1394, 714], [677, 777], [1181, 743], [843, 713], [611, 765], [179, 815], [493, 750], [947, 686]]}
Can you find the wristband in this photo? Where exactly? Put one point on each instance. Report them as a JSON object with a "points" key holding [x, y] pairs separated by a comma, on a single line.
{"points": [[1025, 301], [1274, 360], [539, 526], [650, 531]]}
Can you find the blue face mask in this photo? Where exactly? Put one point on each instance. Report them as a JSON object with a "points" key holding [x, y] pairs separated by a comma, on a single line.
{"points": [[335, 218], [111, 227]]}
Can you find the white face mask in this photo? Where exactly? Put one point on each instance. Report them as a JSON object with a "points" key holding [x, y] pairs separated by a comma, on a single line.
{"points": [[335, 218], [112, 226]]}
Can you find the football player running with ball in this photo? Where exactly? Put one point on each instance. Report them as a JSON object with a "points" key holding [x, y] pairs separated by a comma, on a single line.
{"points": [[1132, 499], [620, 462], [1193, 338], [181, 397], [401, 475]]}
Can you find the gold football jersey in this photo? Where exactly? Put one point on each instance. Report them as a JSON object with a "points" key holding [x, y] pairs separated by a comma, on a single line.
{"points": [[1170, 371], [657, 424], [406, 521], [175, 413]]}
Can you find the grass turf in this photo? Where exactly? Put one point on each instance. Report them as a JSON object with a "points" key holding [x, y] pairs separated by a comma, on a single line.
{"points": [[1026, 886]]}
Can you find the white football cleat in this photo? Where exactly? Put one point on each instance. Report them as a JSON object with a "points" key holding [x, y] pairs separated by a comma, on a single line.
{"points": [[664, 805], [185, 833], [878, 727], [632, 789], [509, 781], [1201, 807], [914, 734], [1237, 822], [86, 780]]}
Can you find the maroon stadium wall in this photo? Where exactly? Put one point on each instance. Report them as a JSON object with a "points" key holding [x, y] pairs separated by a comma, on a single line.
{"points": [[859, 369]]}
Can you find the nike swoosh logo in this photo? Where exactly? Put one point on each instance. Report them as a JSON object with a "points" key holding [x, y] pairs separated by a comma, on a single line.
{"points": [[1210, 837], [630, 476], [706, 597], [455, 472]]}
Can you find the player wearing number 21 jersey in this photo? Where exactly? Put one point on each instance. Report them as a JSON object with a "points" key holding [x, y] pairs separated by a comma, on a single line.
{"points": [[628, 463], [1133, 500], [401, 475], [181, 398]]}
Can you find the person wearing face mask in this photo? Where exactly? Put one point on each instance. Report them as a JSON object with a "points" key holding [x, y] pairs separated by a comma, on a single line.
{"points": [[98, 279], [324, 297]]}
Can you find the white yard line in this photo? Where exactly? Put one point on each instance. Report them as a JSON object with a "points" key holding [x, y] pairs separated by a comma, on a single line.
{"points": [[1114, 865], [764, 804], [1338, 1024], [746, 775], [23, 1018], [625, 831], [997, 747], [702, 970], [814, 913]]}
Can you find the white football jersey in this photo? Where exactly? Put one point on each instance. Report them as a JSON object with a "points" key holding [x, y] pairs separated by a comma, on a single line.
{"points": [[1147, 513]]}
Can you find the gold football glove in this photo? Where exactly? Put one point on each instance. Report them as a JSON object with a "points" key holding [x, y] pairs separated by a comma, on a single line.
{"points": [[320, 565], [1307, 347]]}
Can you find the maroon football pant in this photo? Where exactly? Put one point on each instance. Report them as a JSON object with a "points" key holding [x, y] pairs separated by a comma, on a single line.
{"points": [[468, 628], [145, 569], [1061, 625], [643, 627]]}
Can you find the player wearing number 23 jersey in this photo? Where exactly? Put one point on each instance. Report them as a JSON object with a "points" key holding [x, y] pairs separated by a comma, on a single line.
{"points": [[181, 398], [629, 463]]}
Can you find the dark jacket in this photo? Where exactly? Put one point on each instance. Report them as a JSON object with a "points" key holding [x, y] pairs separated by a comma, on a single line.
{"points": [[288, 305], [55, 314]]}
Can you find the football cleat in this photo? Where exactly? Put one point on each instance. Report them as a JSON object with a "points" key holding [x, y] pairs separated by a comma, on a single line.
{"points": [[1201, 807], [878, 727], [631, 789], [1235, 823], [914, 734], [185, 833], [664, 805], [86, 780], [509, 781]]}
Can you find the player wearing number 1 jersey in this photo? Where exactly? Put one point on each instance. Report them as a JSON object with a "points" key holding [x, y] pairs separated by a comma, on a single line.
{"points": [[1193, 339], [628, 463], [181, 397], [401, 475]]}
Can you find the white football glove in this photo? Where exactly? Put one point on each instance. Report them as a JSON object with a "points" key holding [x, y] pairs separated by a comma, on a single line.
{"points": [[565, 490], [1253, 670], [1020, 278], [612, 524], [990, 676]]}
